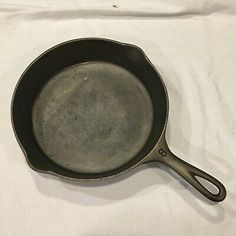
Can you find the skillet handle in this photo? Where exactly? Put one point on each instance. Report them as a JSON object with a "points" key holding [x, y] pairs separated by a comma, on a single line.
{"points": [[190, 173]]}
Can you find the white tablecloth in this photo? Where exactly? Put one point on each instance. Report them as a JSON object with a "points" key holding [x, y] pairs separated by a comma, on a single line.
{"points": [[192, 44]]}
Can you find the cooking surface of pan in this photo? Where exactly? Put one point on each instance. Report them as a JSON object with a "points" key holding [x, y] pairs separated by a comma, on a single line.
{"points": [[92, 117]]}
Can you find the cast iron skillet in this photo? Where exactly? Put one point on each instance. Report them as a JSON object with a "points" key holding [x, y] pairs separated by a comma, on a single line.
{"points": [[95, 108]]}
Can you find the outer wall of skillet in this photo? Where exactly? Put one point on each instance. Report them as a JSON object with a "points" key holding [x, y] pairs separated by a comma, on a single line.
{"points": [[73, 52]]}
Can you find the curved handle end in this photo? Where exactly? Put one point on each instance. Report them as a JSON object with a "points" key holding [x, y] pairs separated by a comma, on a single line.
{"points": [[190, 173]]}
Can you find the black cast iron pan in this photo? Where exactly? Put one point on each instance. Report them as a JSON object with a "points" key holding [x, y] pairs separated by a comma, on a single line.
{"points": [[95, 108]]}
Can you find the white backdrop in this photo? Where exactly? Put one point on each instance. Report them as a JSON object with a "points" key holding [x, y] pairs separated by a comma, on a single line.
{"points": [[192, 44]]}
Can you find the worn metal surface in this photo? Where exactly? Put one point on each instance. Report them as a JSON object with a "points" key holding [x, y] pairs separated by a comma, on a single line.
{"points": [[92, 117]]}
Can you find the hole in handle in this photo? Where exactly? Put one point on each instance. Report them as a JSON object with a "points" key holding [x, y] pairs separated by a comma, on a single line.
{"points": [[208, 185]]}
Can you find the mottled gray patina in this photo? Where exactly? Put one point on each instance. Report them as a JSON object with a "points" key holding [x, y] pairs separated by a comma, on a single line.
{"points": [[92, 117]]}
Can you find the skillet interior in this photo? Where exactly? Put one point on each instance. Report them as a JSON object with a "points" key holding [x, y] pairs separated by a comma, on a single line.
{"points": [[141, 101], [92, 117]]}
